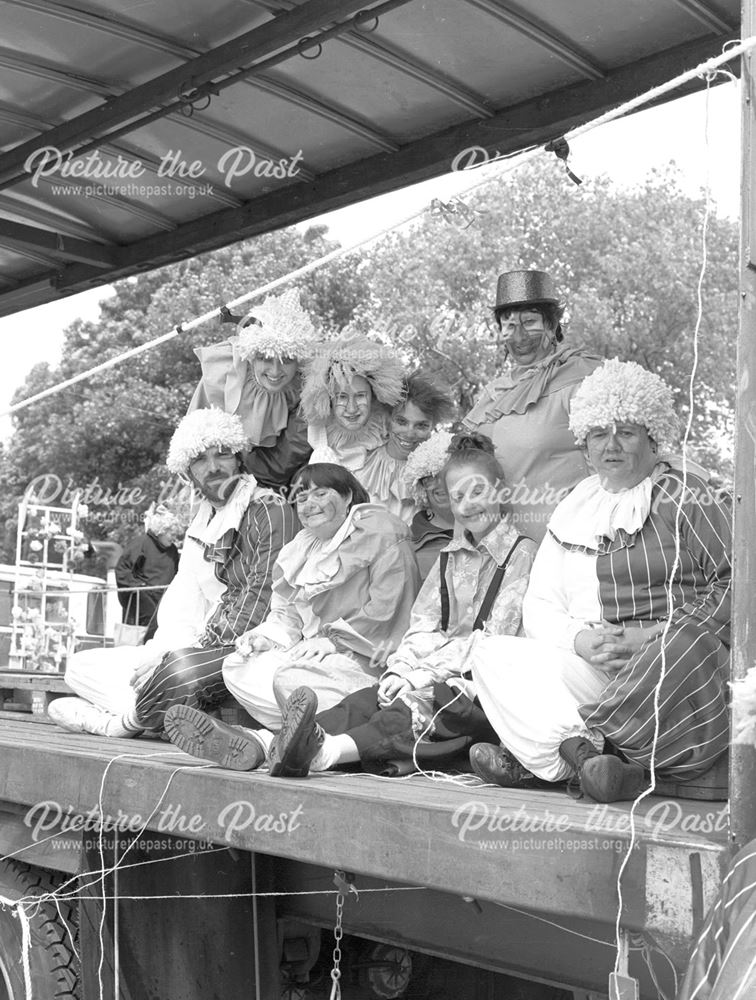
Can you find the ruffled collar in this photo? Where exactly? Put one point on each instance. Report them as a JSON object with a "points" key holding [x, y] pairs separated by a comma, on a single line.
{"points": [[590, 513], [519, 388], [332, 442], [310, 564], [231, 384], [265, 414]]}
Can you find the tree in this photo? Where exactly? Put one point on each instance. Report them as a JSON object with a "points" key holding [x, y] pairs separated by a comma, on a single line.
{"points": [[627, 264], [113, 429]]}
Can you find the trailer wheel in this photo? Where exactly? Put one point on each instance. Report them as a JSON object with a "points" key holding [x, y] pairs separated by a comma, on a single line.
{"points": [[54, 933], [385, 971]]}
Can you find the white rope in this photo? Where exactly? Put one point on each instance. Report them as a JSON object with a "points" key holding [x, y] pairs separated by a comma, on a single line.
{"points": [[678, 520], [23, 917], [704, 69], [261, 895], [300, 272]]}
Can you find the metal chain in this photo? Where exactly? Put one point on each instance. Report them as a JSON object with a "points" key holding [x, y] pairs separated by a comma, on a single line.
{"points": [[338, 933]]}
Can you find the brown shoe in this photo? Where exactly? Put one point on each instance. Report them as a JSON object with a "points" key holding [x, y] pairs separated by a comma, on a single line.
{"points": [[200, 735], [603, 777], [497, 766], [296, 746]]}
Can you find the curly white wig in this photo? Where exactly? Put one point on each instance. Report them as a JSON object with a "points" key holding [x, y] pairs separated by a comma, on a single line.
{"points": [[203, 429], [334, 365], [428, 459], [624, 392], [278, 328]]}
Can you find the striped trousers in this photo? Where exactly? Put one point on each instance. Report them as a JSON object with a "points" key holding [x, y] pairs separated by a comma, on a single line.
{"points": [[723, 963], [693, 717], [537, 695], [189, 676]]}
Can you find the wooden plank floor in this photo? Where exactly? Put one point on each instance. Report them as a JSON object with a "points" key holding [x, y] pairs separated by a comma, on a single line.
{"points": [[542, 850]]}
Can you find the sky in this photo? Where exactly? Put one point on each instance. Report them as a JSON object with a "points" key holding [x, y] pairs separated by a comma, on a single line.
{"points": [[625, 150]]}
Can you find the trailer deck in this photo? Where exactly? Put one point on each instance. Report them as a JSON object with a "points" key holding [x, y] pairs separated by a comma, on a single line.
{"points": [[489, 865]]}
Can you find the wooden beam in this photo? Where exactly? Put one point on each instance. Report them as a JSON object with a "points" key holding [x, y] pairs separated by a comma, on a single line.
{"points": [[743, 758], [540, 850], [66, 247], [242, 51]]}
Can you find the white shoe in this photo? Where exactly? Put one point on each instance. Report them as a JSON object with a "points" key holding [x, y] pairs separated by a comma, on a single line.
{"points": [[80, 716]]}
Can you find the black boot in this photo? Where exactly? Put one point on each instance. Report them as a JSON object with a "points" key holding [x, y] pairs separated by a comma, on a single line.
{"points": [[496, 766], [603, 777], [297, 744]]}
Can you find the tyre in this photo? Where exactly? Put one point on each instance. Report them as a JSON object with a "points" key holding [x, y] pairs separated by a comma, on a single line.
{"points": [[54, 932], [386, 971]]}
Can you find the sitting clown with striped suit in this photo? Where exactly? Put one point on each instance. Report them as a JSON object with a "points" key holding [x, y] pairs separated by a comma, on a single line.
{"points": [[222, 589], [631, 584]]}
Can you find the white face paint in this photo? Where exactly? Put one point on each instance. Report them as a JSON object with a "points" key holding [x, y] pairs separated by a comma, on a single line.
{"points": [[352, 404], [528, 336]]}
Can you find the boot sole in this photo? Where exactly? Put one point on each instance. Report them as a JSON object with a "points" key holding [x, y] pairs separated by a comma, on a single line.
{"points": [[200, 735], [494, 774], [609, 779], [286, 751]]}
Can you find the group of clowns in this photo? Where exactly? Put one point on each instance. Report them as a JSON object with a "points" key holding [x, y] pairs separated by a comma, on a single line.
{"points": [[541, 597], [371, 587]]}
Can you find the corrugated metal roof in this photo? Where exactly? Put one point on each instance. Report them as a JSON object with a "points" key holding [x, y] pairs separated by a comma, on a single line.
{"points": [[282, 110]]}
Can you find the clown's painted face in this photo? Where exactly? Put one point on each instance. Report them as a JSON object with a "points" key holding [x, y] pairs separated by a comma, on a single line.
{"points": [[352, 403]]}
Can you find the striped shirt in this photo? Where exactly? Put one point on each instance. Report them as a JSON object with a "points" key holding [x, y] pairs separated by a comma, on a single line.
{"points": [[633, 571], [244, 559]]}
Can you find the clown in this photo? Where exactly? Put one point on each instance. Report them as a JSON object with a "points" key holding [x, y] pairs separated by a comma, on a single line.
{"points": [[221, 590], [256, 374], [630, 592], [364, 414]]}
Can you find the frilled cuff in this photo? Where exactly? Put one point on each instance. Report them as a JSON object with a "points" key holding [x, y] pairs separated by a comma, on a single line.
{"points": [[277, 634], [346, 638]]}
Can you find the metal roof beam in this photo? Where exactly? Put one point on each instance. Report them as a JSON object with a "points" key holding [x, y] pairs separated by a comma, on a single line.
{"points": [[64, 79], [159, 43], [532, 122], [253, 45], [703, 13], [391, 56], [546, 39], [14, 208], [56, 244]]}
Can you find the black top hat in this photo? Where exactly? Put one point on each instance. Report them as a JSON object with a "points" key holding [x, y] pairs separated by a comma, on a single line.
{"points": [[516, 288]]}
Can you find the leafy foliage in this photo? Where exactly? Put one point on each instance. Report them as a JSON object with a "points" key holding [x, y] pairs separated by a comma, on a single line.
{"points": [[627, 265]]}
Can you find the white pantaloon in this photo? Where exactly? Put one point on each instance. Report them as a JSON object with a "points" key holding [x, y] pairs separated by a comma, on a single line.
{"points": [[530, 691], [102, 676], [261, 683]]}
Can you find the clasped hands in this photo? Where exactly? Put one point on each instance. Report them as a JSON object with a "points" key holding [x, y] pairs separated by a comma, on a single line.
{"points": [[611, 646]]}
